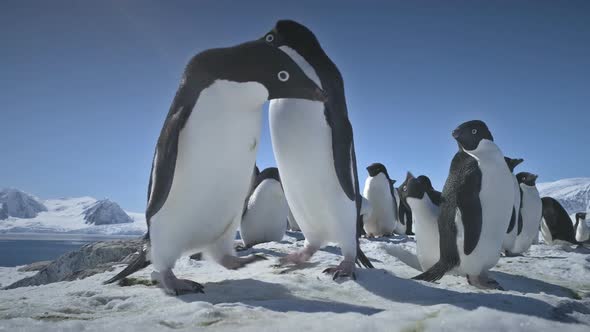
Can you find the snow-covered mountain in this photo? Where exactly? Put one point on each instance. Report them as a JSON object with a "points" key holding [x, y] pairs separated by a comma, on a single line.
{"points": [[18, 204], [81, 215], [573, 194]]}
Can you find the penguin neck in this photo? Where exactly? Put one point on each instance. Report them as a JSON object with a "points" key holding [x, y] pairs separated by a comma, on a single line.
{"points": [[487, 151]]}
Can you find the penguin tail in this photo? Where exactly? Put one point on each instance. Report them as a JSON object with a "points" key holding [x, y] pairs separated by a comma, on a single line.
{"points": [[436, 272], [138, 263], [362, 259]]}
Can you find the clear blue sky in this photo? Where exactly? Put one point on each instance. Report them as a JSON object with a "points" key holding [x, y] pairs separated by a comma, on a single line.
{"points": [[85, 86]]}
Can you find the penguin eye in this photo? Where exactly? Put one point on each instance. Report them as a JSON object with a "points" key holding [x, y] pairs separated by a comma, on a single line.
{"points": [[405, 188], [474, 131], [270, 38], [283, 76]]}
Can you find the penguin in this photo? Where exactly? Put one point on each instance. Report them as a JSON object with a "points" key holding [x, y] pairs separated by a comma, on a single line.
{"points": [[265, 218], [314, 150], [255, 174], [530, 213], [477, 202], [379, 191], [367, 214], [515, 219], [582, 231], [292, 223], [404, 216], [205, 155], [424, 201], [556, 224]]}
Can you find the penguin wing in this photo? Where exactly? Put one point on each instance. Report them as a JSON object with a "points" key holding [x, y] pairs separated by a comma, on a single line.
{"points": [[164, 161], [469, 204]]}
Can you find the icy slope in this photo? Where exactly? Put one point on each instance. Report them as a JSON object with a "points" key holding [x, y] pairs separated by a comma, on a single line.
{"points": [[18, 204], [573, 194], [547, 289]]}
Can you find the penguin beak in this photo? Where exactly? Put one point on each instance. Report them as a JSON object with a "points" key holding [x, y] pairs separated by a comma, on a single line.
{"points": [[456, 133], [534, 176], [320, 95]]}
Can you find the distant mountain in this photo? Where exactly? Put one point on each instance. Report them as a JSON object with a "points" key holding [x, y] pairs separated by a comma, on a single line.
{"points": [[18, 204], [106, 212], [3, 212], [573, 194], [80, 215]]}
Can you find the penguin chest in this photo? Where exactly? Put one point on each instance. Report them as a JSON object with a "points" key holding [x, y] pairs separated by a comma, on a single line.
{"points": [[532, 209], [216, 153], [497, 201], [266, 217], [425, 217], [377, 191], [302, 144]]}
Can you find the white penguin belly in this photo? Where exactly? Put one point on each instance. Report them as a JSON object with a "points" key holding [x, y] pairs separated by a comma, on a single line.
{"points": [[582, 232], [510, 238], [425, 216], [497, 200], [532, 210], [302, 144], [216, 153], [377, 192], [265, 219], [545, 232]]}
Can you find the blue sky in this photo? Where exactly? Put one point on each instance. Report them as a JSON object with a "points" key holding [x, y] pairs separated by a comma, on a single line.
{"points": [[85, 86]]}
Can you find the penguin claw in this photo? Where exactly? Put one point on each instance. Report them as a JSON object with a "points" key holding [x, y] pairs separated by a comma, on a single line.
{"points": [[344, 270]]}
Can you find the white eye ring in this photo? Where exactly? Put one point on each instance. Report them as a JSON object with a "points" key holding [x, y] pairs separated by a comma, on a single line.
{"points": [[269, 38], [283, 76], [474, 131], [405, 188]]}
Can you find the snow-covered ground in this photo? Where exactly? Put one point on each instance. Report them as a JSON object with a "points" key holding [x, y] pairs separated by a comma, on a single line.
{"points": [[67, 215], [547, 289]]}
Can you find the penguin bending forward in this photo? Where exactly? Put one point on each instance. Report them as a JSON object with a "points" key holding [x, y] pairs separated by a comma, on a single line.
{"points": [[477, 202], [424, 201], [205, 155], [265, 218], [314, 149], [556, 224]]}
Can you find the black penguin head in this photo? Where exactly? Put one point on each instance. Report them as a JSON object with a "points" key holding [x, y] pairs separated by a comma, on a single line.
{"points": [[580, 216], [376, 168], [296, 36], [470, 133], [527, 178], [415, 187], [258, 61], [512, 163]]}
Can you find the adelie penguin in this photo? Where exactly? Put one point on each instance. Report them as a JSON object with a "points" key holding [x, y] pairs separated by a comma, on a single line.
{"points": [[265, 218], [313, 146], [515, 218], [477, 202], [531, 210], [556, 225], [582, 231], [203, 161], [379, 191], [424, 201]]}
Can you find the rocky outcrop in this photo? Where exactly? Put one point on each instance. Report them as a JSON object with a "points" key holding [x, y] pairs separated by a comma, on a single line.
{"points": [[91, 259], [3, 212], [106, 212], [18, 204]]}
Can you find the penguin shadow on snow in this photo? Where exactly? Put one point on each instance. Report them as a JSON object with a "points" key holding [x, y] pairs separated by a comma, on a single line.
{"points": [[383, 284], [525, 285], [271, 296]]}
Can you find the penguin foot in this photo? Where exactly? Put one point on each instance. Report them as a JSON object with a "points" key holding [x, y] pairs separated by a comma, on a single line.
{"points": [[233, 263], [297, 258], [483, 282], [344, 270], [174, 286]]}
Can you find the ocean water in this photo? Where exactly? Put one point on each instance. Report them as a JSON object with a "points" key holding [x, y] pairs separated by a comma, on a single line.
{"points": [[18, 250]]}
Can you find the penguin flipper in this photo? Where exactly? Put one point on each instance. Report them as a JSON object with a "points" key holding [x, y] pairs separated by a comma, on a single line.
{"points": [[512, 221], [362, 259], [469, 205]]}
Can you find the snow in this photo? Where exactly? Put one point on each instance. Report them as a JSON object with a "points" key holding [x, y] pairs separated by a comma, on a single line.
{"points": [[573, 194], [547, 289], [16, 203], [67, 215]]}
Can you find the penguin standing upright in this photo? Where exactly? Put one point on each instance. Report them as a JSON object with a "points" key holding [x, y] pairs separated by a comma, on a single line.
{"points": [[582, 231], [531, 210], [556, 224], [314, 149], [477, 202], [379, 191], [424, 201], [515, 219], [265, 218], [205, 154], [404, 215]]}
